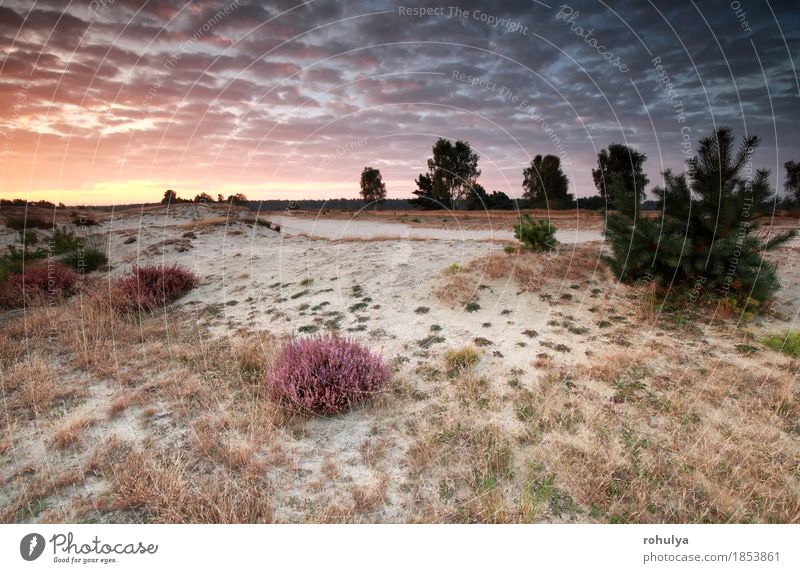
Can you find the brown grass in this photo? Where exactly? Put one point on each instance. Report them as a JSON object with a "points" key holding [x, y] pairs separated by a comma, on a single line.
{"points": [[30, 493], [172, 489], [676, 452], [32, 386], [70, 433], [531, 272]]}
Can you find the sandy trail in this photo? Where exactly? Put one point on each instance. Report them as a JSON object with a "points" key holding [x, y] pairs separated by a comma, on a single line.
{"points": [[351, 229]]}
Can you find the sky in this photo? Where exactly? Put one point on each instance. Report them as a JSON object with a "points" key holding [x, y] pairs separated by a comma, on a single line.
{"points": [[114, 101]]}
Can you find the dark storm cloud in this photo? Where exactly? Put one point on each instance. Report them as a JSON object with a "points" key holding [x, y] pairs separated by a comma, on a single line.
{"points": [[515, 79]]}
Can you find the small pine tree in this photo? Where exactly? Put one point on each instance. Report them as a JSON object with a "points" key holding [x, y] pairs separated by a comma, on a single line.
{"points": [[537, 235], [707, 238]]}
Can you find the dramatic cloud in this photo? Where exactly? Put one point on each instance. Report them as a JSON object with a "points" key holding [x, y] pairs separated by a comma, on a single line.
{"points": [[115, 100]]}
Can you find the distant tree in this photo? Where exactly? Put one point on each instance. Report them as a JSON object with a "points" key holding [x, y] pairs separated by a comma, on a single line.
{"points": [[545, 184], [792, 181], [707, 239], [169, 197], [499, 200], [620, 174], [452, 174], [593, 203], [203, 198], [478, 199], [426, 198], [238, 199], [373, 188], [220, 198], [454, 168]]}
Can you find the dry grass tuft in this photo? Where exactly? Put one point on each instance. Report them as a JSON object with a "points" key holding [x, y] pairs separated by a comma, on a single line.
{"points": [[70, 433], [34, 385], [461, 359]]}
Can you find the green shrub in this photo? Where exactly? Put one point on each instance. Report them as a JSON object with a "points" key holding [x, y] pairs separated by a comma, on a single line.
{"points": [[87, 259], [64, 241], [21, 222], [28, 238], [707, 240], [472, 306], [537, 235]]}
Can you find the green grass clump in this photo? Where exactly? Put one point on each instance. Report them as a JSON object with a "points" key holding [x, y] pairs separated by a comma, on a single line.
{"points": [[787, 342], [472, 306], [64, 241], [86, 260]]}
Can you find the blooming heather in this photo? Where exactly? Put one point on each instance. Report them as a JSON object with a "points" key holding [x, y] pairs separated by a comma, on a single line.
{"points": [[37, 285], [152, 286], [326, 374]]}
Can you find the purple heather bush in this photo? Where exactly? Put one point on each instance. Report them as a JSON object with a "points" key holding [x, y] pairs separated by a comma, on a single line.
{"points": [[326, 374], [37, 285], [150, 287]]}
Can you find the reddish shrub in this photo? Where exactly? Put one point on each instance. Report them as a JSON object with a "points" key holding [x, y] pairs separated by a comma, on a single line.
{"points": [[326, 374], [38, 285], [152, 286]]}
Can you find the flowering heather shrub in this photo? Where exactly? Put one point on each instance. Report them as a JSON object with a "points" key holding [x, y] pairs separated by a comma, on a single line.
{"points": [[152, 286], [326, 374], [38, 284]]}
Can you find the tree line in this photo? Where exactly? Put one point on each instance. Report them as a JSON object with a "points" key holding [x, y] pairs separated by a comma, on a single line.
{"points": [[451, 181], [171, 196]]}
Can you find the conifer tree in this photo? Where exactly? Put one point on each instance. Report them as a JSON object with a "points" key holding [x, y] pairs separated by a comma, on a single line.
{"points": [[707, 238]]}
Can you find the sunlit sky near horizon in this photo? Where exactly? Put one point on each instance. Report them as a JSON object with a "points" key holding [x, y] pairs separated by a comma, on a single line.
{"points": [[114, 101]]}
